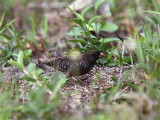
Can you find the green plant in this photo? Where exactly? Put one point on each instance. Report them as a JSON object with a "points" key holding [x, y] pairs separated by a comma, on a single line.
{"points": [[10, 41], [148, 51], [83, 32], [42, 99], [31, 73], [39, 102]]}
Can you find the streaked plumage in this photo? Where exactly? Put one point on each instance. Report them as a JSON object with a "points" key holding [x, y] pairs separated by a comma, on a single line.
{"points": [[79, 66]]}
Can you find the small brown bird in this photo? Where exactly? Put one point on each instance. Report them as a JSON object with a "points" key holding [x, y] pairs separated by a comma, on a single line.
{"points": [[78, 66]]}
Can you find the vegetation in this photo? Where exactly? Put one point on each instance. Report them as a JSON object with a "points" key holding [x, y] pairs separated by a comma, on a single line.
{"points": [[34, 95]]}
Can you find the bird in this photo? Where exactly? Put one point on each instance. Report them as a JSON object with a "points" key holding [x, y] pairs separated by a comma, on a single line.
{"points": [[76, 66]]}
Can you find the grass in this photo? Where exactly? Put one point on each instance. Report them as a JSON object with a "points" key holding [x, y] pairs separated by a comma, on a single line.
{"points": [[37, 96]]}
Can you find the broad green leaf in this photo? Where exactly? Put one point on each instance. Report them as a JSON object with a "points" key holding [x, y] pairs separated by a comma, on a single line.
{"points": [[93, 19], [93, 37], [84, 11], [78, 40], [76, 31], [97, 27], [95, 41], [113, 63], [78, 21], [102, 24], [79, 16], [28, 78], [58, 79], [39, 75], [87, 33], [27, 53], [16, 64], [7, 25], [109, 27], [20, 57], [39, 71], [107, 40], [90, 28], [101, 43], [98, 3], [31, 67]]}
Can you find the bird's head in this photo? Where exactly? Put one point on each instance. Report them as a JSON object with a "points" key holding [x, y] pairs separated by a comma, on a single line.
{"points": [[93, 55]]}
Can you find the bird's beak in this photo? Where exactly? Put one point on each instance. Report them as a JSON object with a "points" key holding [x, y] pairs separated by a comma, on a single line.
{"points": [[101, 55]]}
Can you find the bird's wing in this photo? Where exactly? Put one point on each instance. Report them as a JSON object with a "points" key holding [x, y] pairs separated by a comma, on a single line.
{"points": [[63, 64]]}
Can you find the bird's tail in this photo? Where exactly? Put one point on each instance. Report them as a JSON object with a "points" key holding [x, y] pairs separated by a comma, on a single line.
{"points": [[49, 63]]}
